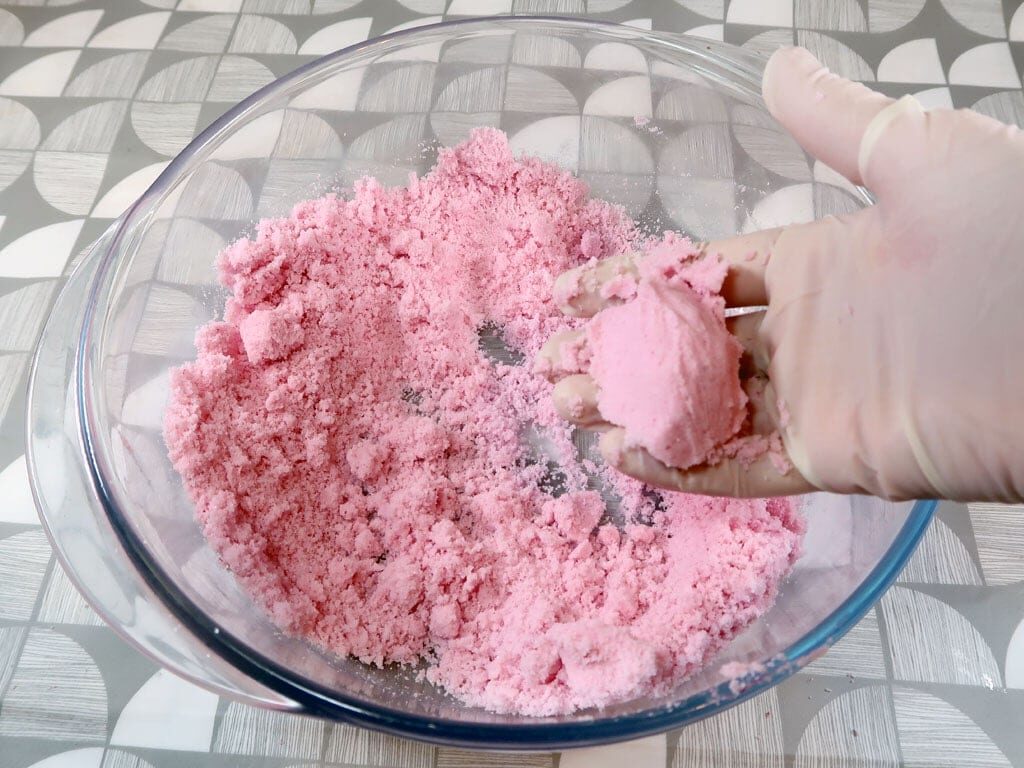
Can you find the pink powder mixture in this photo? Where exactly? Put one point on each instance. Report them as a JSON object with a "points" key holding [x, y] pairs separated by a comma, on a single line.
{"points": [[665, 365], [361, 466]]}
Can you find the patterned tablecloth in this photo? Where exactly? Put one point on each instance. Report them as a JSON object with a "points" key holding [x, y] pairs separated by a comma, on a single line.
{"points": [[934, 675]]}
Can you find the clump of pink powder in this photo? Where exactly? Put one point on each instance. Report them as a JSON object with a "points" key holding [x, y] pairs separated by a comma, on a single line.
{"points": [[666, 366], [361, 465]]}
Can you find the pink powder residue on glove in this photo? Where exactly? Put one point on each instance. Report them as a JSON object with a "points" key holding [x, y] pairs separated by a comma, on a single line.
{"points": [[666, 367], [359, 463]]}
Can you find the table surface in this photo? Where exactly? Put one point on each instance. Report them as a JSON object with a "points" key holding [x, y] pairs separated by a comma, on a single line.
{"points": [[934, 675]]}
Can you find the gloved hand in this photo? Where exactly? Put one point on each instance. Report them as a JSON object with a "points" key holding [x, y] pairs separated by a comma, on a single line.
{"points": [[893, 339]]}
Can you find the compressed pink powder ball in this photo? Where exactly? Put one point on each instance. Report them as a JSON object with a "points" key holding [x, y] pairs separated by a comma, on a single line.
{"points": [[358, 460], [667, 370]]}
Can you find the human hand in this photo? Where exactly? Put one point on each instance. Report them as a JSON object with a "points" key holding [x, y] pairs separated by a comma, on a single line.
{"points": [[892, 346]]}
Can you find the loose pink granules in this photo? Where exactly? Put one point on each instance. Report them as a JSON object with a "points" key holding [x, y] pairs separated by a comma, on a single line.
{"points": [[739, 673], [361, 466]]}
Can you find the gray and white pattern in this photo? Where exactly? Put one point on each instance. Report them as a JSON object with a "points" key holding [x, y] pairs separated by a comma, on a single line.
{"points": [[97, 96]]}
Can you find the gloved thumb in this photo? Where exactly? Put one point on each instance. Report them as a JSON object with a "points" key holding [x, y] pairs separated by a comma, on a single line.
{"points": [[827, 114]]}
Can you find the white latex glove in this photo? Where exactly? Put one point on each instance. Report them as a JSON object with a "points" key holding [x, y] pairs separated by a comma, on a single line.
{"points": [[893, 341]]}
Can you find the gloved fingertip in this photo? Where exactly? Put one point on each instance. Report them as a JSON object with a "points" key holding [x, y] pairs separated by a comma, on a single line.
{"points": [[566, 288], [824, 112], [786, 67], [611, 446]]}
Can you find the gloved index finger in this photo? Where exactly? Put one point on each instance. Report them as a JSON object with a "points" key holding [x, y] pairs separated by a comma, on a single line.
{"points": [[586, 290], [747, 256]]}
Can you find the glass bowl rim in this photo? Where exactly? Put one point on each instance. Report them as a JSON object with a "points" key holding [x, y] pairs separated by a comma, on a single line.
{"points": [[315, 699]]}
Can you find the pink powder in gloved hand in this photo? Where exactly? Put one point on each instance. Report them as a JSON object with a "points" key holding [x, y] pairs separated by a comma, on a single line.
{"points": [[360, 464], [667, 371], [667, 368]]}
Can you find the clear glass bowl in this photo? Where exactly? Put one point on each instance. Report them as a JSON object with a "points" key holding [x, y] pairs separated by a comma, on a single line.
{"points": [[672, 128]]}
